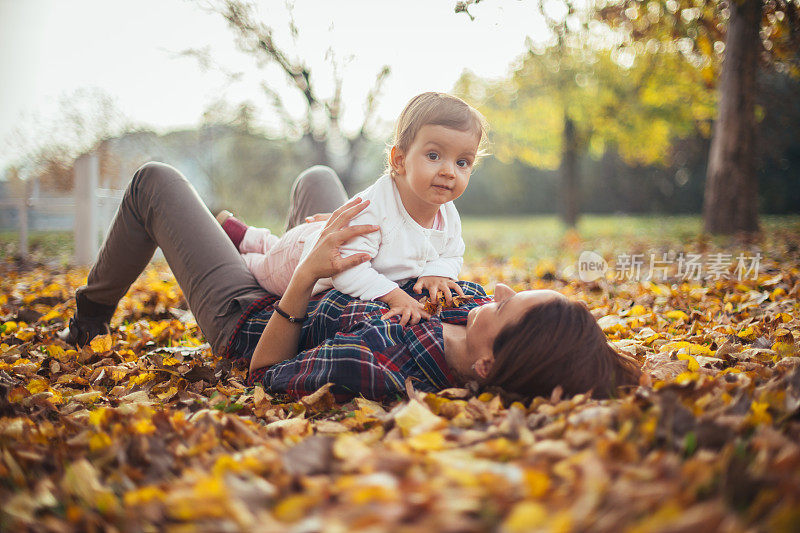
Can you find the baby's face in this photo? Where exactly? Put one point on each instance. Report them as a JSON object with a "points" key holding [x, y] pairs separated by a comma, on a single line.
{"points": [[438, 163]]}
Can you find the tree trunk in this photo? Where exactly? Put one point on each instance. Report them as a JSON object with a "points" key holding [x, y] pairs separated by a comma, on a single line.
{"points": [[569, 173], [354, 156], [319, 149], [730, 203]]}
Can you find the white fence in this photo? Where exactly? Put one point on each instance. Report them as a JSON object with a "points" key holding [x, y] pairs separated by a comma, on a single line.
{"points": [[91, 206]]}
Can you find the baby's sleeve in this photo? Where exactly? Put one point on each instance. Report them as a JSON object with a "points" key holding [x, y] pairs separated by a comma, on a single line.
{"points": [[362, 281]]}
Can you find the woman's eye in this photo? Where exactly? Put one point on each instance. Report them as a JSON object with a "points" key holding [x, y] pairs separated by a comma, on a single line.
{"points": [[433, 156]]}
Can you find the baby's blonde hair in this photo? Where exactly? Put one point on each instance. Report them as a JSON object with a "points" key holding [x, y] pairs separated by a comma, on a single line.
{"points": [[439, 109]]}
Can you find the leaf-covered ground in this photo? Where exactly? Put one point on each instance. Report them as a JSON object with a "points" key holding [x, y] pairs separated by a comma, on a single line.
{"points": [[145, 429]]}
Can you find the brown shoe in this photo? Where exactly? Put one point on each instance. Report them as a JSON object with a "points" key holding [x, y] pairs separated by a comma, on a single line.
{"points": [[91, 319]]}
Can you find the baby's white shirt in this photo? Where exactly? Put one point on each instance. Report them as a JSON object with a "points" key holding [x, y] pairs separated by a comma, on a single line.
{"points": [[400, 251]]}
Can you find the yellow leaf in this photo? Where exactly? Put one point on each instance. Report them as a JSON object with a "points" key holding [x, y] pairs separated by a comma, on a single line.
{"points": [[536, 483], [777, 293], [783, 348], [429, 441], [57, 352], [525, 516], [82, 480], [26, 335], [415, 418], [129, 355], [145, 427], [758, 413], [227, 463], [50, 316], [100, 344], [676, 315], [87, 397], [207, 499], [142, 378], [99, 416], [686, 377], [168, 393], [98, 441], [294, 507], [371, 493], [144, 495], [55, 397], [636, 310], [210, 487], [158, 328], [693, 349], [693, 365], [611, 324], [36, 386], [748, 333]]}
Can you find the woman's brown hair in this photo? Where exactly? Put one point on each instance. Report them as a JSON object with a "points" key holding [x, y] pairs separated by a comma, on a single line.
{"points": [[559, 342]]}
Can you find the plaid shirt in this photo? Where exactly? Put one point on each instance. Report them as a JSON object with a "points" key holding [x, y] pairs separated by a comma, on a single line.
{"points": [[344, 341]]}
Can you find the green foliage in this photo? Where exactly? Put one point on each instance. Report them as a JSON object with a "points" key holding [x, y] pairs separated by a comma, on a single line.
{"points": [[638, 110], [697, 29]]}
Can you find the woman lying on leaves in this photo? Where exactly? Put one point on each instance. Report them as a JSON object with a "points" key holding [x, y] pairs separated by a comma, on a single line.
{"points": [[526, 343]]}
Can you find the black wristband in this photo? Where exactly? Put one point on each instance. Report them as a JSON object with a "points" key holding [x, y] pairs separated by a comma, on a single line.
{"points": [[287, 316]]}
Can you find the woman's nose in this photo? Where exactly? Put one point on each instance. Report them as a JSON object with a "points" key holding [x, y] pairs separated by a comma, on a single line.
{"points": [[502, 292]]}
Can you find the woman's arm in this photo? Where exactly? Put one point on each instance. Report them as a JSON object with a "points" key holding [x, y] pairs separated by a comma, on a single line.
{"points": [[280, 338]]}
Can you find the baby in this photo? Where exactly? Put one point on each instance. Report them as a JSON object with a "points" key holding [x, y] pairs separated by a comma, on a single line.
{"points": [[436, 146]]}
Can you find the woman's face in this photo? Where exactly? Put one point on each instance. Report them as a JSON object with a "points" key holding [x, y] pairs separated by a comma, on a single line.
{"points": [[484, 323]]}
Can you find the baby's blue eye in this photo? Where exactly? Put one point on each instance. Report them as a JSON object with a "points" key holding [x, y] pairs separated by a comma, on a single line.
{"points": [[433, 156], [463, 163]]}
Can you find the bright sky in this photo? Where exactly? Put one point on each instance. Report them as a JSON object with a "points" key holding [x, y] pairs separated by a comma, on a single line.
{"points": [[49, 48]]}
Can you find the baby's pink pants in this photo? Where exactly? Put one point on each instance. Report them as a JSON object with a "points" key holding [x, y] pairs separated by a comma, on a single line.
{"points": [[272, 260]]}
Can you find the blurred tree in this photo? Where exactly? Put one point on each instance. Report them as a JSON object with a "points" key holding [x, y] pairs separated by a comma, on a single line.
{"points": [[741, 31], [573, 96], [320, 125], [48, 146], [735, 34]]}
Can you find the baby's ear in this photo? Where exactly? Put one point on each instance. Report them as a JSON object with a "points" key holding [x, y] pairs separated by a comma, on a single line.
{"points": [[397, 159]]}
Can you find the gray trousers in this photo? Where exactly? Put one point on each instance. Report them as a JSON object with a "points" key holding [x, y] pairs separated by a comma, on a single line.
{"points": [[162, 209]]}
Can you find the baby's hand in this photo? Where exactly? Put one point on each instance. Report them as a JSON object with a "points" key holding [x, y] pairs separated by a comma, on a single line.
{"points": [[436, 284], [403, 305]]}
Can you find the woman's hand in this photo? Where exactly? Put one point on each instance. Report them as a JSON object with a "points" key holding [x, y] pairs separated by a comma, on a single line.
{"points": [[319, 217], [325, 260], [280, 338], [437, 284]]}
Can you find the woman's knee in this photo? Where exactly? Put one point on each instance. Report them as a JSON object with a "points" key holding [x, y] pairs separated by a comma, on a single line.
{"points": [[317, 176], [155, 175]]}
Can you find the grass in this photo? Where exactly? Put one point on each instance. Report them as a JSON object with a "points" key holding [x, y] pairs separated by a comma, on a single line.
{"points": [[543, 237], [43, 246], [527, 238]]}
